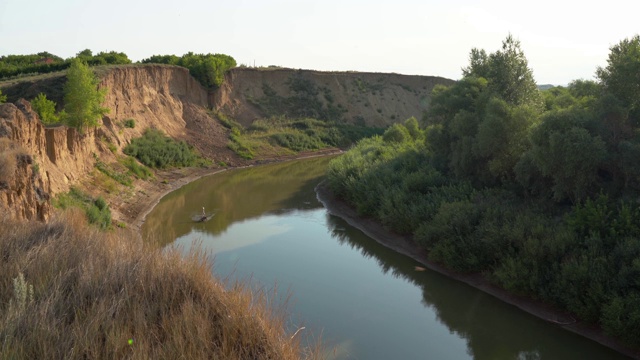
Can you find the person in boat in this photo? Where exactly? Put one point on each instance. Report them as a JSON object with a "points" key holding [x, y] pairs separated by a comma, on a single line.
{"points": [[204, 215]]}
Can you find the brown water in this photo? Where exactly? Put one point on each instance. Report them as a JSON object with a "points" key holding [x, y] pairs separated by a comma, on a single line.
{"points": [[366, 301]]}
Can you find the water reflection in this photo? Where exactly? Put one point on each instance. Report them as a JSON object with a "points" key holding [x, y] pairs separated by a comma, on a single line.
{"points": [[492, 329], [235, 196], [269, 224]]}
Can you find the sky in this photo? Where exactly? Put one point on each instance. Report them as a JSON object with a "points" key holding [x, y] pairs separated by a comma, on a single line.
{"points": [[562, 40]]}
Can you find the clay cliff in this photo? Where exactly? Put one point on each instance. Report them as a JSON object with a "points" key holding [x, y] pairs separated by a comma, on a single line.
{"points": [[40, 161], [163, 97], [373, 99]]}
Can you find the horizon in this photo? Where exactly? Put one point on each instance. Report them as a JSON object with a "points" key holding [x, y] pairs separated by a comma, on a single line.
{"points": [[560, 45]]}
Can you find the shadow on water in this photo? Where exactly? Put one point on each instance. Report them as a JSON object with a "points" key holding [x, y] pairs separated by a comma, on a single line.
{"points": [[235, 196], [492, 329]]}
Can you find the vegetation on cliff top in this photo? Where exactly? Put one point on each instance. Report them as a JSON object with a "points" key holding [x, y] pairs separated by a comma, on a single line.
{"points": [[535, 191], [208, 69], [44, 62], [69, 291]]}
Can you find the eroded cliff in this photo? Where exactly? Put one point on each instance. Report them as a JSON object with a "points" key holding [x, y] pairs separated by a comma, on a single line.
{"points": [[373, 99]]}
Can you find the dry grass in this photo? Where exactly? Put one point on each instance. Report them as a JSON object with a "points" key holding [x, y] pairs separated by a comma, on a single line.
{"points": [[94, 292]]}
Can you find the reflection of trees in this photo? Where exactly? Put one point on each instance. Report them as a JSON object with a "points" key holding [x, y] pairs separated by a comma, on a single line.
{"points": [[236, 195], [492, 329]]}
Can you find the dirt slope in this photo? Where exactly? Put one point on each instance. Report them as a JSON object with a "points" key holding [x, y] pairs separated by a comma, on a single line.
{"points": [[374, 99]]}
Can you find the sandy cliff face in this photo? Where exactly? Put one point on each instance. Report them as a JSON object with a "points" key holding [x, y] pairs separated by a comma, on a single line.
{"points": [[375, 99]]}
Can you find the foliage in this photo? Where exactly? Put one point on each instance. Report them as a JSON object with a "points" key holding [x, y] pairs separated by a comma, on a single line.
{"points": [[138, 170], [46, 109], [130, 123], [96, 210], [621, 77], [208, 69], [122, 177], [156, 150], [82, 98], [266, 136], [3, 98], [507, 72], [539, 199], [44, 62]]}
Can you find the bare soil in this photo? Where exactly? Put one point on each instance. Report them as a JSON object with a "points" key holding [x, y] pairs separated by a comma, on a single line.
{"points": [[406, 246]]}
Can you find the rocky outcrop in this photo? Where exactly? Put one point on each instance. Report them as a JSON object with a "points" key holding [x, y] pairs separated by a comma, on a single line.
{"points": [[374, 99]]}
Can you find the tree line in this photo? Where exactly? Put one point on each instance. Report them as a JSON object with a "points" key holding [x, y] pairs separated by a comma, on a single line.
{"points": [[536, 190], [208, 69]]}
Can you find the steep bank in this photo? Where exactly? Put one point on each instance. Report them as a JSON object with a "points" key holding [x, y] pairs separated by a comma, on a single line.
{"points": [[374, 99]]}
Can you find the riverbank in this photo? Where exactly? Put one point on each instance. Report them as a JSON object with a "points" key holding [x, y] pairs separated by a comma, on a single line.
{"points": [[406, 246], [134, 210]]}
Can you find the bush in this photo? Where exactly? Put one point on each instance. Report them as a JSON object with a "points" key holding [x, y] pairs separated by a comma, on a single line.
{"points": [[96, 210], [130, 123], [156, 150], [46, 109]]}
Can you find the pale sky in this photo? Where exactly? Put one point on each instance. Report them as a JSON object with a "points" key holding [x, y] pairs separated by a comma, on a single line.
{"points": [[563, 40]]}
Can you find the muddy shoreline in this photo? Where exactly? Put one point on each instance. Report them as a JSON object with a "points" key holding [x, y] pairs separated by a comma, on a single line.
{"points": [[405, 246]]}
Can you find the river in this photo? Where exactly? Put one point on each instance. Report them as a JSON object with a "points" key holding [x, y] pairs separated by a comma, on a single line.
{"points": [[361, 299]]}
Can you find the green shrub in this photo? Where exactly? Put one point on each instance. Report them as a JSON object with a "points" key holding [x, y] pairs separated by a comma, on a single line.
{"points": [[46, 109], [297, 141], [621, 317], [156, 150], [130, 123], [96, 210]]}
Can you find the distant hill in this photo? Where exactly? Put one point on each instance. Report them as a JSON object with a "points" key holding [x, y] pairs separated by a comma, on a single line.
{"points": [[545, 87]]}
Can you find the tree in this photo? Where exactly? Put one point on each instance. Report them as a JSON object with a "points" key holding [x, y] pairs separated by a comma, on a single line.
{"points": [[567, 151], [3, 98], [82, 98], [621, 77]]}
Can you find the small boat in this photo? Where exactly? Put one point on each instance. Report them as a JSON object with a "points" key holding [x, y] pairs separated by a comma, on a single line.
{"points": [[202, 217]]}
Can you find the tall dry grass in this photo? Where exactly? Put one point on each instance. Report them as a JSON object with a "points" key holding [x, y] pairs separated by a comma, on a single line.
{"points": [[109, 296]]}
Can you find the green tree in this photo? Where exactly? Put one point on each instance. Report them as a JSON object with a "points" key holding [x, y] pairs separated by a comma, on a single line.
{"points": [[621, 77], [82, 98], [46, 109], [3, 98], [566, 151]]}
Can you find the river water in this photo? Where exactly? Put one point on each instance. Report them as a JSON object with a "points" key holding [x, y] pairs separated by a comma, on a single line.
{"points": [[363, 300]]}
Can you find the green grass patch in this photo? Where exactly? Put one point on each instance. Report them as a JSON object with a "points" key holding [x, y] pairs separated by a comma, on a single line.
{"points": [[120, 176], [135, 168], [97, 210]]}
